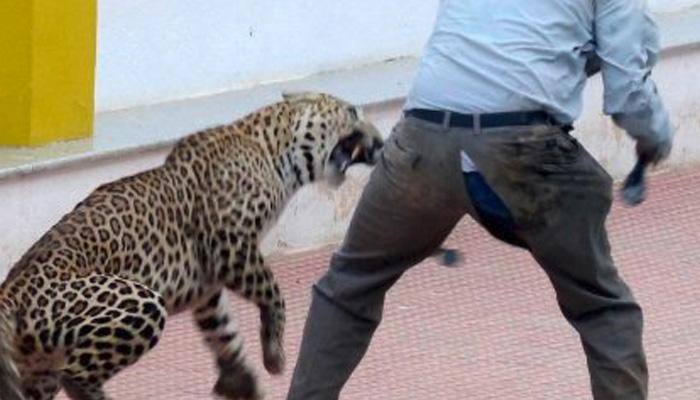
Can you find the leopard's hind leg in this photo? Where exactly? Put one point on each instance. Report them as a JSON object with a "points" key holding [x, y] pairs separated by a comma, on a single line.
{"points": [[40, 386], [113, 323]]}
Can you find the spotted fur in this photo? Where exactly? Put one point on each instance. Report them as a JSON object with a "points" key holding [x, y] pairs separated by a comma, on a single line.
{"points": [[92, 295]]}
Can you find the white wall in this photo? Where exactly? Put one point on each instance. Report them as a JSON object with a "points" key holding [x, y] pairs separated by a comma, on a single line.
{"points": [[155, 50], [151, 51]]}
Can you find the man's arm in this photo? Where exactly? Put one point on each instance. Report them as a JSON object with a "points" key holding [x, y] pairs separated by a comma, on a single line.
{"points": [[628, 45]]}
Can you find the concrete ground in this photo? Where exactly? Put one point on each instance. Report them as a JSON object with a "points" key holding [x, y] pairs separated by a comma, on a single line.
{"points": [[488, 330]]}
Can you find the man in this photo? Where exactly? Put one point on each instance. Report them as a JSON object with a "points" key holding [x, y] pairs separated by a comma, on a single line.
{"points": [[499, 85]]}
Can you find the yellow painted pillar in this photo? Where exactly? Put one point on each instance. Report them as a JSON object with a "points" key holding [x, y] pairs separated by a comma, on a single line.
{"points": [[47, 70]]}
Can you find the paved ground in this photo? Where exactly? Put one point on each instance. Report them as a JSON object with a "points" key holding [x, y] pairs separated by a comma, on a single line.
{"points": [[489, 330]]}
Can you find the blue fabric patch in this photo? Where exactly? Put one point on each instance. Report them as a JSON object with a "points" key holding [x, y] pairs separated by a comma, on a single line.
{"points": [[492, 212]]}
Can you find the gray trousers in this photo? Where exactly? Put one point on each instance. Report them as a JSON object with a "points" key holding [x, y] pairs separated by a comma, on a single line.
{"points": [[559, 198]]}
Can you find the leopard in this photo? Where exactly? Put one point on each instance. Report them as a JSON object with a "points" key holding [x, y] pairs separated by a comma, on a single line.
{"points": [[93, 294]]}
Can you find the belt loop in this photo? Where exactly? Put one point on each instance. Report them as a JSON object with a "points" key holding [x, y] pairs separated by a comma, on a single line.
{"points": [[447, 118], [477, 123]]}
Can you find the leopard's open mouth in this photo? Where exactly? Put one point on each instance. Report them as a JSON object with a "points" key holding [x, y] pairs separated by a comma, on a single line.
{"points": [[358, 147]]}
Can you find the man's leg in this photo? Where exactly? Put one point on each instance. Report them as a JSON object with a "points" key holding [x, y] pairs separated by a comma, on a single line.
{"points": [[575, 254], [599, 305], [560, 196], [413, 200]]}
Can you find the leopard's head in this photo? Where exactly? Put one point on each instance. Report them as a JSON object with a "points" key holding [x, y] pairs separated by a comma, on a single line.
{"points": [[331, 135]]}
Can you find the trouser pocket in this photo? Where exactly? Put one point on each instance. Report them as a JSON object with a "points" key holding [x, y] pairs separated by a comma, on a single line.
{"points": [[490, 210]]}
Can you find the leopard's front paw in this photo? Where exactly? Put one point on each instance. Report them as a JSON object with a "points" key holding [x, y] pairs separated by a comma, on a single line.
{"points": [[238, 384]]}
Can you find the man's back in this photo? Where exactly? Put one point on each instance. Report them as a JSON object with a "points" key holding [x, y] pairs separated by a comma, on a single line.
{"points": [[491, 56], [507, 55]]}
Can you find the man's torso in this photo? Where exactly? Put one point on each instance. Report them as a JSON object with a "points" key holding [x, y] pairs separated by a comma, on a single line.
{"points": [[507, 55]]}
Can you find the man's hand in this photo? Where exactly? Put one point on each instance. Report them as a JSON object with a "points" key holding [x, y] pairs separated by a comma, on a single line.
{"points": [[648, 154], [653, 153]]}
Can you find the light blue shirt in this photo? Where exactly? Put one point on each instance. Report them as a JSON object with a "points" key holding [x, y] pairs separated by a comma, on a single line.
{"points": [[518, 55]]}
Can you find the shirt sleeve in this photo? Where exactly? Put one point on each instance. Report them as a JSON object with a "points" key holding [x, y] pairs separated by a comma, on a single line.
{"points": [[627, 43]]}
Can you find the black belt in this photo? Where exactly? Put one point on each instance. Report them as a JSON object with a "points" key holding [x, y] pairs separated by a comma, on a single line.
{"points": [[491, 120]]}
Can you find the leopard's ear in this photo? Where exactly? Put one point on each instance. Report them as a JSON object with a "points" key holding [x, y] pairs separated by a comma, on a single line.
{"points": [[295, 97]]}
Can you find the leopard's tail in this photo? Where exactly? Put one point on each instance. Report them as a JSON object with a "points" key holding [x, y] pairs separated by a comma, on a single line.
{"points": [[9, 375]]}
